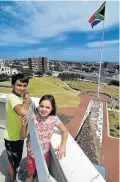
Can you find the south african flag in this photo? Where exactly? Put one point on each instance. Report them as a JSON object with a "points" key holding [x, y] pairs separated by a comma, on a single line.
{"points": [[98, 16]]}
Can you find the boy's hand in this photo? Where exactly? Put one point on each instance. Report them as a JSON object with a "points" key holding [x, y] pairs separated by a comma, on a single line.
{"points": [[61, 151], [26, 97], [24, 122]]}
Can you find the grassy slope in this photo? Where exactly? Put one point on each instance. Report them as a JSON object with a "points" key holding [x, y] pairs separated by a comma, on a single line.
{"points": [[39, 86], [113, 120], [89, 86]]}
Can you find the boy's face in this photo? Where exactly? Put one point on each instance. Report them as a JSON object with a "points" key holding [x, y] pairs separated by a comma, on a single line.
{"points": [[19, 87]]}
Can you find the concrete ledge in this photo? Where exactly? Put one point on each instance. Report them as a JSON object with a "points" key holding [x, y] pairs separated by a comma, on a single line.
{"points": [[2, 127]]}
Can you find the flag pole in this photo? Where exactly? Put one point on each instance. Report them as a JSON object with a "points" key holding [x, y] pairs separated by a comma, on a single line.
{"points": [[101, 55]]}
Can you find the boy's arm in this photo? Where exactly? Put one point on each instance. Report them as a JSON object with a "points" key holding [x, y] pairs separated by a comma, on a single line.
{"points": [[62, 148], [21, 109], [24, 129]]}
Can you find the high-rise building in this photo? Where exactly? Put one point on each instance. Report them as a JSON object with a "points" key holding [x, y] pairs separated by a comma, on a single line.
{"points": [[30, 64], [38, 64], [45, 64]]}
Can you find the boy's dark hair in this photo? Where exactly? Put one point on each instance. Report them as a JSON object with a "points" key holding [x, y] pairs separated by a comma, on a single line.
{"points": [[20, 76], [52, 101]]}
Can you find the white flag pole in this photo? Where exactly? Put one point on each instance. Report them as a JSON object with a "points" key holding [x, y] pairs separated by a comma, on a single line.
{"points": [[101, 55]]}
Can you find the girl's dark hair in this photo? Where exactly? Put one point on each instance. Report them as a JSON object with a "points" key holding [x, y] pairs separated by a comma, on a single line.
{"points": [[20, 76], [52, 101]]}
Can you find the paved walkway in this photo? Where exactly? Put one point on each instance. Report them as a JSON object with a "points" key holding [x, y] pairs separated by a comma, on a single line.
{"points": [[77, 112], [110, 150]]}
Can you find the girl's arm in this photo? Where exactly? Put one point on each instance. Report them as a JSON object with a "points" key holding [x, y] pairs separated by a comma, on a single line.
{"points": [[24, 129], [62, 148]]}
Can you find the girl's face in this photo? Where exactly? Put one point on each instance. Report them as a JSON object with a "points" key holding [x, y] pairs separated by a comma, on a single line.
{"points": [[45, 108]]}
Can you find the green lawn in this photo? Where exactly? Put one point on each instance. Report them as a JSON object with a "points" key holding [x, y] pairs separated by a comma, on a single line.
{"points": [[89, 86], [113, 121], [39, 86]]}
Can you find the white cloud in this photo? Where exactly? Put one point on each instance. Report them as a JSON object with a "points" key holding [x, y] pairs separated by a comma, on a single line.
{"points": [[105, 43], [6, 8], [12, 11], [59, 38], [50, 19], [91, 54], [59, 17], [76, 53], [33, 52], [13, 37]]}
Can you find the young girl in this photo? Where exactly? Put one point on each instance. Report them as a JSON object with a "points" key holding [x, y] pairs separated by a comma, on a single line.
{"points": [[44, 123]]}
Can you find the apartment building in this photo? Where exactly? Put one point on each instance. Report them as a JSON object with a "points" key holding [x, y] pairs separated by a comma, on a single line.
{"points": [[40, 64]]}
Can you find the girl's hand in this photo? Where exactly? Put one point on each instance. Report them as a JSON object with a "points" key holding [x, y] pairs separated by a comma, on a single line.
{"points": [[24, 122], [61, 151]]}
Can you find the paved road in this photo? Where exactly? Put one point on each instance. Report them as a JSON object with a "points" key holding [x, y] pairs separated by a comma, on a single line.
{"points": [[2, 113]]}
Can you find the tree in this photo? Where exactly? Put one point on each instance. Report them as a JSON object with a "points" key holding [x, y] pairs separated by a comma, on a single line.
{"points": [[49, 73], [4, 77], [27, 73], [114, 82], [82, 77], [105, 64], [39, 73], [86, 70]]}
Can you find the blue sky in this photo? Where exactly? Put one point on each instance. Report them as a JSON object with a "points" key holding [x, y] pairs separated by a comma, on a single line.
{"points": [[58, 30]]}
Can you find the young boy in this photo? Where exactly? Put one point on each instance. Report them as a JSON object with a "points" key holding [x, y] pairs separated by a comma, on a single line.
{"points": [[17, 104]]}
